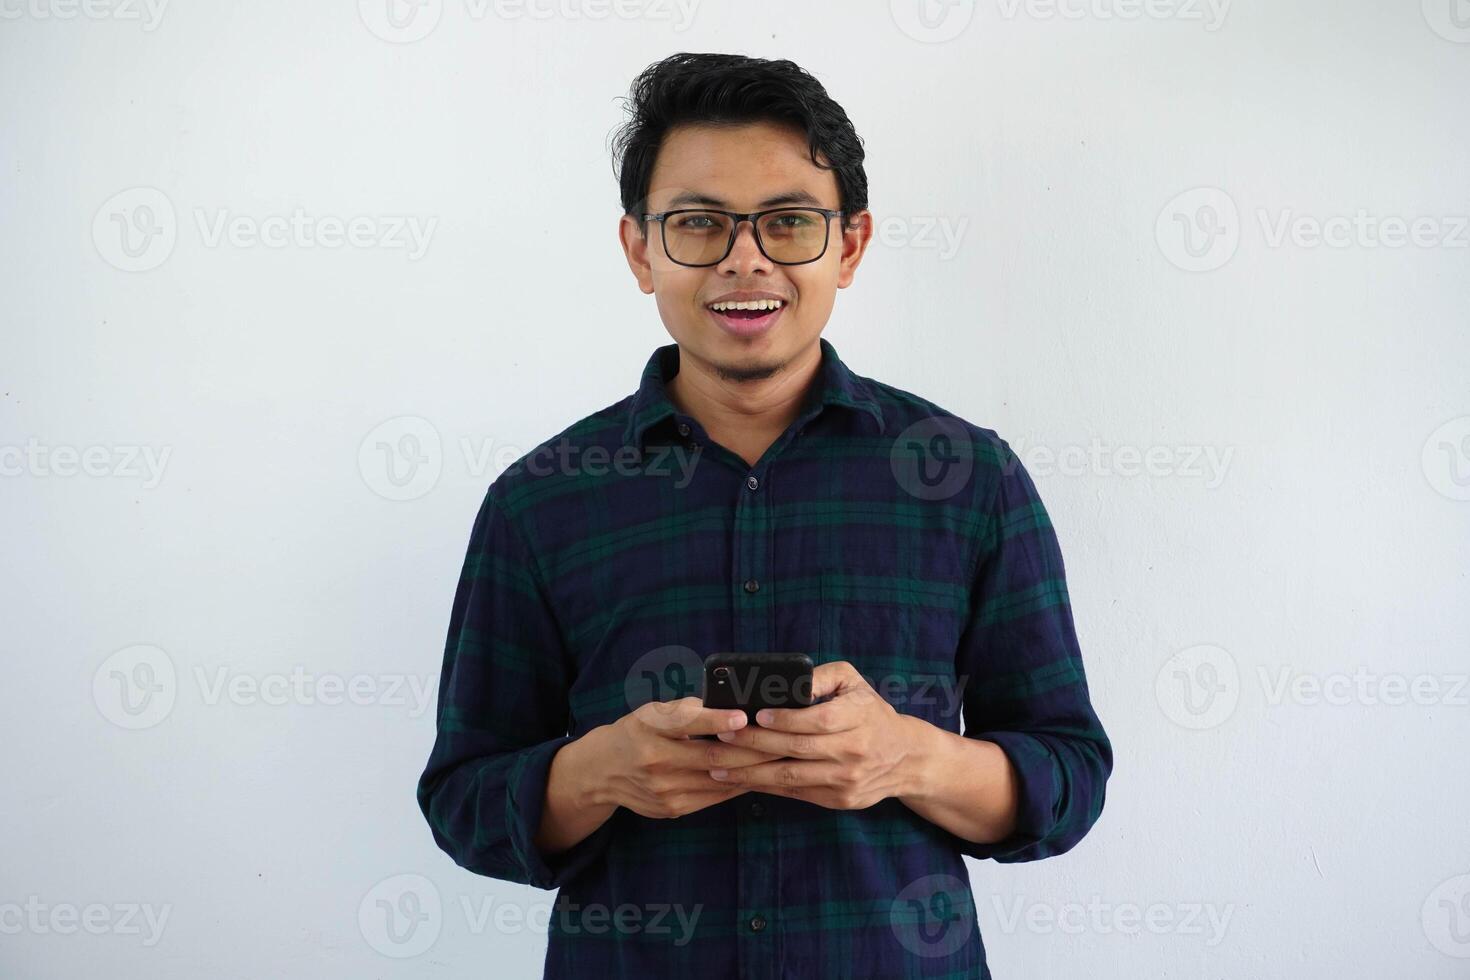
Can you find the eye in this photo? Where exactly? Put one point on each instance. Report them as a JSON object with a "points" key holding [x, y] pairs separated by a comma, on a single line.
{"points": [[694, 222], [793, 220]]}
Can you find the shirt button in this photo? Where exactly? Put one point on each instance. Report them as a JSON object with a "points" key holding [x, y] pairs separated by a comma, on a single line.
{"points": [[752, 482], [683, 429], [757, 923], [757, 809], [751, 585]]}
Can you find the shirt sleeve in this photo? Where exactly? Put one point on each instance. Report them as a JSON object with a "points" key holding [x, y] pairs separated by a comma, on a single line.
{"points": [[502, 715], [1023, 682]]}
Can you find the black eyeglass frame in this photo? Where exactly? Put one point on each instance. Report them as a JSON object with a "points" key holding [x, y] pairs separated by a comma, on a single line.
{"points": [[739, 217]]}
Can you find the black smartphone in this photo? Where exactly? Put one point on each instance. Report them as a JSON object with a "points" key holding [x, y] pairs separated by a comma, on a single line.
{"points": [[757, 680]]}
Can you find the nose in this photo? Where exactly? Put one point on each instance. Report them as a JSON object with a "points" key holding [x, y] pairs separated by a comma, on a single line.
{"points": [[745, 255]]}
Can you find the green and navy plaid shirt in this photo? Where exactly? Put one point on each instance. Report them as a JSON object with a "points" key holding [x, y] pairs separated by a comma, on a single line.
{"points": [[605, 564]]}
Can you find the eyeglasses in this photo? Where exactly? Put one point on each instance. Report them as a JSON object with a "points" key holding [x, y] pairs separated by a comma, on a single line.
{"points": [[700, 237]]}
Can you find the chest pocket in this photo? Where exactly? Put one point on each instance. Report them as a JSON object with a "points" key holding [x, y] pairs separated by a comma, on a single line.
{"points": [[902, 640]]}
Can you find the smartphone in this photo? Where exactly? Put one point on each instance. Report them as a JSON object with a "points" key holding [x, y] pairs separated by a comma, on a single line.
{"points": [[757, 680]]}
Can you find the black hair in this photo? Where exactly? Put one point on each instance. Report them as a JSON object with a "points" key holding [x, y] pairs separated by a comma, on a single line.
{"points": [[727, 90]]}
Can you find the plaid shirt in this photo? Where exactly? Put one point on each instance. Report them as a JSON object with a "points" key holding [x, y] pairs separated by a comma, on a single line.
{"points": [[879, 529]]}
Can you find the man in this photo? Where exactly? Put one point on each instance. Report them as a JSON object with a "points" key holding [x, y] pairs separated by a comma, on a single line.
{"points": [[755, 494]]}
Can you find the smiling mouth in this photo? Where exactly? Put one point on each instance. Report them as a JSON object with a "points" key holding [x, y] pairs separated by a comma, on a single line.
{"points": [[746, 319]]}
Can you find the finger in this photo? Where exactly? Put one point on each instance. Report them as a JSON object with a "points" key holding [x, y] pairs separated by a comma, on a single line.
{"points": [[686, 802], [838, 715], [782, 774], [689, 716], [669, 785], [833, 678], [791, 745], [717, 755]]}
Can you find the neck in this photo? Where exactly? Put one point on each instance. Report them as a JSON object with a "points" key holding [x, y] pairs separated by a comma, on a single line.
{"points": [[734, 408]]}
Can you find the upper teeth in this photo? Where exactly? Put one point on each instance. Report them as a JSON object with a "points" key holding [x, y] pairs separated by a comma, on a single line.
{"points": [[754, 304]]}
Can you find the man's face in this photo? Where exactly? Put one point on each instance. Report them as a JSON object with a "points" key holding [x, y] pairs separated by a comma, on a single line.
{"points": [[747, 168]]}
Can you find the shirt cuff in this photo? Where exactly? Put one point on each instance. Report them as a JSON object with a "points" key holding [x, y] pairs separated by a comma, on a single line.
{"points": [[1038, 797], [525, 800]]}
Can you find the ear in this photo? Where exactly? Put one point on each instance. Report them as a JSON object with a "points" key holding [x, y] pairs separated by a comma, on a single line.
{"points": [[855, 239], [631, 233]]}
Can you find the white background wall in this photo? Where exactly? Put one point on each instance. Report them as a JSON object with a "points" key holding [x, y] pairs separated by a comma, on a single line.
{"points": [[1275, 631]]}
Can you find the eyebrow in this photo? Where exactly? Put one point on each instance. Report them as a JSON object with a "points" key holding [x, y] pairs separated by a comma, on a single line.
{"points": [[705, 200]]}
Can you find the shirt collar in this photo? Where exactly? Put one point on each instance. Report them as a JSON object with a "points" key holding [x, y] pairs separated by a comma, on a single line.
{"points": [[835, 384]]}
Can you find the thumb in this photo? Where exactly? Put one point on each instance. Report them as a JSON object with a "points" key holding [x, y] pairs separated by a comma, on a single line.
{"points": [[835, 678]]}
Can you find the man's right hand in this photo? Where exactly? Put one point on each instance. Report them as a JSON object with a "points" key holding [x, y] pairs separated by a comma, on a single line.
{"points": [[648, 761], [654, 766]]}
